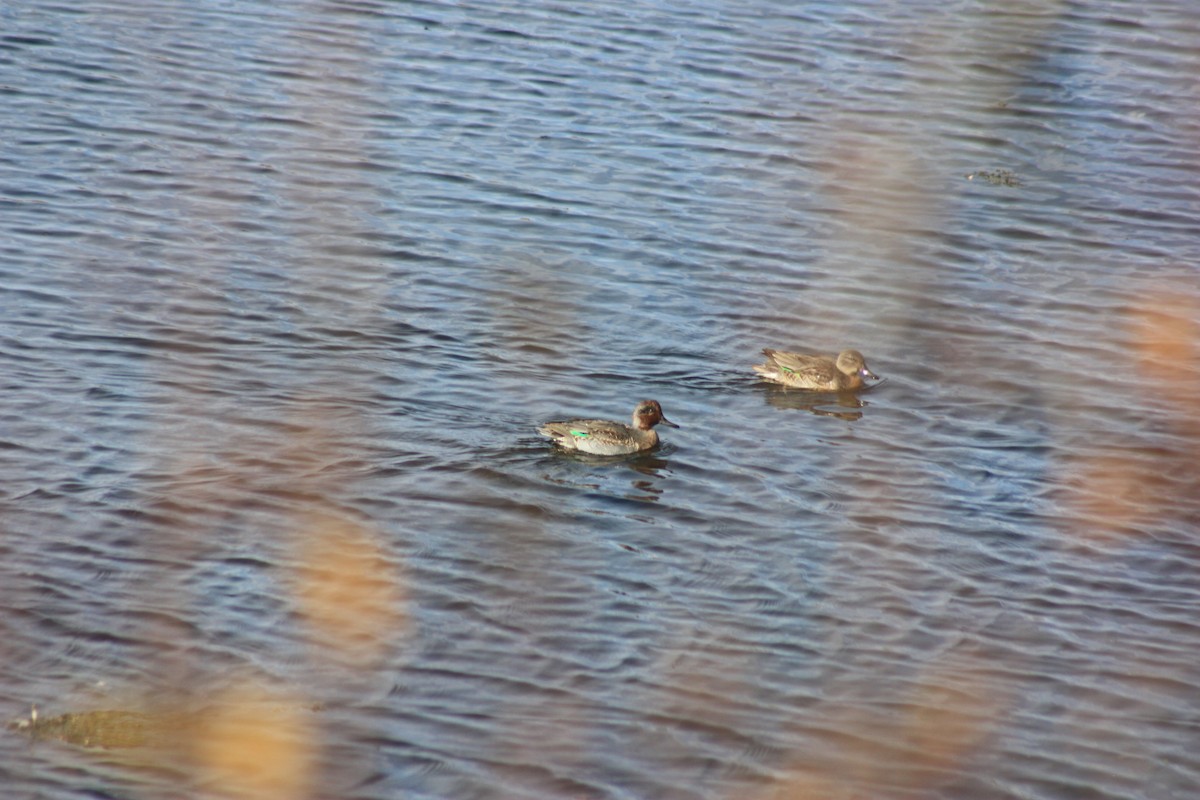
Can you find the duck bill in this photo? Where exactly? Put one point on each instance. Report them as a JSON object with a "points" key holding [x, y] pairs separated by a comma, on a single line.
{"points": [[665, 421], [866, 373]]}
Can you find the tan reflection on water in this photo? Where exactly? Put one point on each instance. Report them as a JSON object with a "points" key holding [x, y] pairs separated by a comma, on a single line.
{"points": [[912, 744], [1114, 491], [1166, 325], [350, 595], [252, 744]]}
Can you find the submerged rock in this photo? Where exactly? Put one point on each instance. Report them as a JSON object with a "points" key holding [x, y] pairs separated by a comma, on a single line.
{"points": [[996, 177], [108, 729]]}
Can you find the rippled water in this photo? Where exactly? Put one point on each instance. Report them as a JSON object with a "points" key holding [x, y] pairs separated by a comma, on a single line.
{"points": [[287, 288]]}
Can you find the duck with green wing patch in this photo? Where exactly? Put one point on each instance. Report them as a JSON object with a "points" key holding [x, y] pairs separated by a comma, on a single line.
{"points": [[604, 438]]}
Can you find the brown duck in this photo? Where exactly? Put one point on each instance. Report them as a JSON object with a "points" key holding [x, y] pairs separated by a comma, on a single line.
{"points": [[818, 373]]}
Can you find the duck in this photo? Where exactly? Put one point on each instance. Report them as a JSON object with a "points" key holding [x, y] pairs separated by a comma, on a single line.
{"points": [[604, 438], [818, 373]]}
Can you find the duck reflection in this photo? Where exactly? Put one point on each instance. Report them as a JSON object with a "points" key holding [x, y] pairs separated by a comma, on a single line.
{"points": [[846, 404], [648, 488]]}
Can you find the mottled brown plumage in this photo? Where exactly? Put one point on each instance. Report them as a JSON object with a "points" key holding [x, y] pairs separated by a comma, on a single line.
{"points": [[818, 373], [604, 438]]}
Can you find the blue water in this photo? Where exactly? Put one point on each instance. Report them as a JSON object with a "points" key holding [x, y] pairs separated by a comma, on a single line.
{"points": [[275, 274]]}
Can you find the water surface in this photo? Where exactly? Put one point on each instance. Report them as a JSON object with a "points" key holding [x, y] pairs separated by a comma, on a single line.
{"points": [[287, 289]]}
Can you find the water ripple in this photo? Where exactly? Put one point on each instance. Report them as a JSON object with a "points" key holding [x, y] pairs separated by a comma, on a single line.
{"points": [[293, 279]]}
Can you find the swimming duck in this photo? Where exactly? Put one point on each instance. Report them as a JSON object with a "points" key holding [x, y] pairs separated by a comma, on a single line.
{"points": [[603, 438], [819, 373]]}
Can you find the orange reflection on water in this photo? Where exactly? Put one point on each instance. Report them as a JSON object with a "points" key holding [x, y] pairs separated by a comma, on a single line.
{"points": [[250, 745], [1111, 494], [1115, 492], [347, 590], [1166, 328]]}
